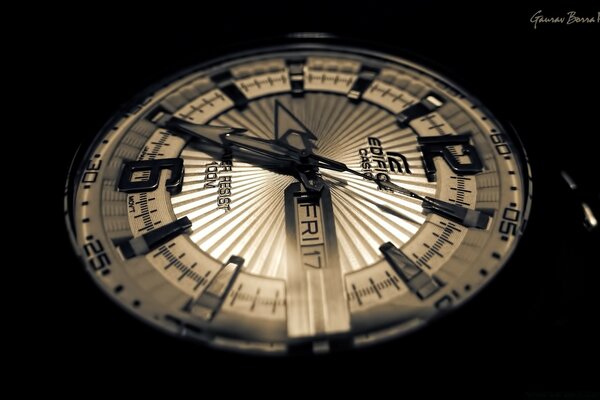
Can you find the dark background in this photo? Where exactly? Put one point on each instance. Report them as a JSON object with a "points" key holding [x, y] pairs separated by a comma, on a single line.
{"points": [[532, 329]]}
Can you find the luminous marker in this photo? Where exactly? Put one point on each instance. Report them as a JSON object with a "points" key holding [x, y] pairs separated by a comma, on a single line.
{"points": [[144, 244], [365, 77], [428, 104], [417, 281], [209, 302]]}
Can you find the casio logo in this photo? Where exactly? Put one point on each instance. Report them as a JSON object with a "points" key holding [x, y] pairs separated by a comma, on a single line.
{"points": [[374, 161]]}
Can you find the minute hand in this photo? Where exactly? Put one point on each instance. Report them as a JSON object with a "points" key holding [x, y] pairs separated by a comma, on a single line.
{"points": [[464, 216]]}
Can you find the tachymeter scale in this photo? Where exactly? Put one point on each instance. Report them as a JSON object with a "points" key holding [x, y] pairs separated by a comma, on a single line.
{"points": [[295, 196]]}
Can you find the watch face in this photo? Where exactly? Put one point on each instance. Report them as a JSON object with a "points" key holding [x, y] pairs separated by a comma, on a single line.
{"points": [[300, 196]]}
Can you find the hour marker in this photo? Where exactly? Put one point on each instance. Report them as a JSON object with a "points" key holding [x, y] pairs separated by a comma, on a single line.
{"points": [[296, 69], [365, 77], [428, 104], [143, 244], [417, 281], [143, 176], [235, 95], [225, 83], [434, 146], [209, 302]]}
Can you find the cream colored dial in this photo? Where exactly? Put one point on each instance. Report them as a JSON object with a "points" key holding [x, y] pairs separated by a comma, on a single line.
{"points": [[299, 196]]}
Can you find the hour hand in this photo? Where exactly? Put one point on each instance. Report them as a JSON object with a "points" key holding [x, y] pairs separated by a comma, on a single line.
{"points": [[227, 137], [212, 134]]}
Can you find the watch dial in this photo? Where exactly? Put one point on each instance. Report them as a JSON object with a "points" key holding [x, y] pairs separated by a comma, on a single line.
{"points": [[299, 197]]}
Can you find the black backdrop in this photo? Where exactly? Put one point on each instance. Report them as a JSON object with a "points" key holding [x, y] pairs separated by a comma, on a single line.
{"points": [[532, 329]]}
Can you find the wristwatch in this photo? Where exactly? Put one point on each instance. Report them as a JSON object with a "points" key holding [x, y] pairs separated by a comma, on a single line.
{"points": [[305, 196]]}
